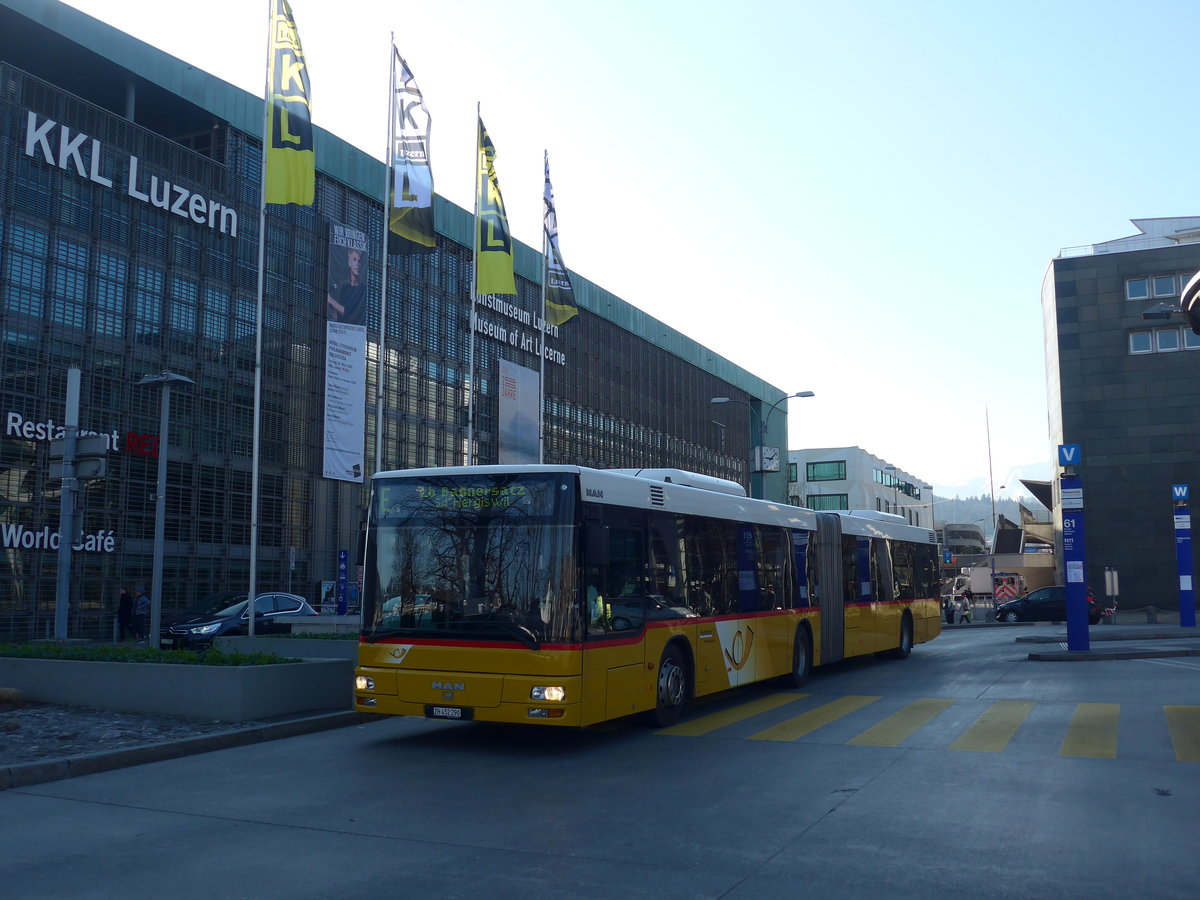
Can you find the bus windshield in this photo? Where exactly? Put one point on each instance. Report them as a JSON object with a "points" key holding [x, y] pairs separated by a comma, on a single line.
{"points": [[477, 557]]}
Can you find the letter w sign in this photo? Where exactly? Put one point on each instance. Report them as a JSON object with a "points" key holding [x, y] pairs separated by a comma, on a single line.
{"points": [[1179, 492]]}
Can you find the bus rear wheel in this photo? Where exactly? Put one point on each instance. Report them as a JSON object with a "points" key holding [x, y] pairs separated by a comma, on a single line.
{"points": [[906, 639], [671, 691], [801, 659]]}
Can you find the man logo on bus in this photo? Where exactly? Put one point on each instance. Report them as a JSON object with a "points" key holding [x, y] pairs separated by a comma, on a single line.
{"points": [[741, 650]]}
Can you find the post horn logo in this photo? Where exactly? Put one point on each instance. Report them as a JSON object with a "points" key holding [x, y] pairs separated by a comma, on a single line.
{"points": [[741, 649]]}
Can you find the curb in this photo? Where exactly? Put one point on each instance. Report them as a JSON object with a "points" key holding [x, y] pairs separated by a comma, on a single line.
{"points": [[1088, 655], [42, 771], [1119, 636]]}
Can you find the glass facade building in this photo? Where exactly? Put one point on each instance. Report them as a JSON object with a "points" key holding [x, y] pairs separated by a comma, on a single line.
{"points": [[129, 235]]}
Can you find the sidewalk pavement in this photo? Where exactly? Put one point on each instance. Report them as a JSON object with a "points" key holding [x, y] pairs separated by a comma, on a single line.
{"points": [[1122, 641]]}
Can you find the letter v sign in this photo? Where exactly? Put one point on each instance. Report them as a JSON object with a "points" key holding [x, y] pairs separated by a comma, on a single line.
{"points": [[1069, 455]]}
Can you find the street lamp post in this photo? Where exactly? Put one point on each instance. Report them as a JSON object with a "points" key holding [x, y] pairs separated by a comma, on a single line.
{"points": [[756, 451], [166, 379]]}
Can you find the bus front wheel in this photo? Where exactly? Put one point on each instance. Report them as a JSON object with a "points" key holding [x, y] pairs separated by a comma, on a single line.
{"points": [[672, 687]]}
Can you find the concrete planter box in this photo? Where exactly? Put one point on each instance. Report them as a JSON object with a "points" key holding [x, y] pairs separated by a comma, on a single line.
{"points": [[323, 623], [311, 648], [224, 693]]}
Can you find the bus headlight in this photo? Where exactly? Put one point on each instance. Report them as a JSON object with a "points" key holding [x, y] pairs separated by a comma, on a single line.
{"points": [[364, 683], [554, 693]]}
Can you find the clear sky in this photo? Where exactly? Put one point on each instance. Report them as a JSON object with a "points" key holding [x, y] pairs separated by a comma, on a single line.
{"points": [[859, 200]]}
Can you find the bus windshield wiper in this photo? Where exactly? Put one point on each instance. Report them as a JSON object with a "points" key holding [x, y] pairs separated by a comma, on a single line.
{"points": [[515, 629]]}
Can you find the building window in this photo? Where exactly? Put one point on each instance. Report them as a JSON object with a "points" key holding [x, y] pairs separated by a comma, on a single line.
{"points": [[1137, 288], [1166, 339], [826, 471], [828, 501], [792, 472], [1164, 285], [1163, 340]]}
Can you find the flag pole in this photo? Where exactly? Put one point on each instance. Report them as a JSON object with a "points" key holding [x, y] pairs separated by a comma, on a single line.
{"points": [[474, 299], [388, 162], [542, 324], [258, 323]]}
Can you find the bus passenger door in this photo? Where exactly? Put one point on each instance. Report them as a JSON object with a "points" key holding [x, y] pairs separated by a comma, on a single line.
{"points": [[859, 600], [613, 586], [729, 647]]}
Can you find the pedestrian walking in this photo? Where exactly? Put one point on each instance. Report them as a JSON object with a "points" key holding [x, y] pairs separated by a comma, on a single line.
{"points": [[125, 613], [141, 609], [965, 612]]}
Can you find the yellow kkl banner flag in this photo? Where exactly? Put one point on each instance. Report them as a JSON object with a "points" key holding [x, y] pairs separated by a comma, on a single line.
{"points": [[493, 243], [289, 160]]}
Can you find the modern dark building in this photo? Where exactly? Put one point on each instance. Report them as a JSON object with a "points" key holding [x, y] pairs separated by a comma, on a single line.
{"points": [[96, 274], [1122, 386]]}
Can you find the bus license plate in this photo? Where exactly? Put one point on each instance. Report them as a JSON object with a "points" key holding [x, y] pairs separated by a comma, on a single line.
{"points": [[447, 712]]}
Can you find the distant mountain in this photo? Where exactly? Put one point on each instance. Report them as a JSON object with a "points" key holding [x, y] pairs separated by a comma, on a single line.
{"points": [[978, 511], [1008, 485]]}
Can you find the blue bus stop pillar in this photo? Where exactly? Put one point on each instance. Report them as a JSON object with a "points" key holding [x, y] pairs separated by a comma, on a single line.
{"points": [[1183, 556], [1074, 557]]}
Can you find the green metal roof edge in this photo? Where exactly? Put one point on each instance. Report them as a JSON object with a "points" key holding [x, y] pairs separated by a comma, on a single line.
{"points": [[360, 171]]}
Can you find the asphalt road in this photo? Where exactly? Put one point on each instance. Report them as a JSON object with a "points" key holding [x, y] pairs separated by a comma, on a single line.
{"points": [[966, 770]]}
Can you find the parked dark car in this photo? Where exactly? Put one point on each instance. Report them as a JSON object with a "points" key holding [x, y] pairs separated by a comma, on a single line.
{"points": [[1048, 604], [224, 614]]}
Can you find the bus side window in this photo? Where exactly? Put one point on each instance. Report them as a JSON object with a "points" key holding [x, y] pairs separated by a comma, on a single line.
{"points": [[903, 561], [881, 570], [851, 585], [800, 566], [665, 563], [773, 569], [708, 568], [614, 592]]}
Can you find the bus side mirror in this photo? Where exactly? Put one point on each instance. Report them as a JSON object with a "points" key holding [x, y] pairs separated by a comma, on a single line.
{"points": [[595, 545]]}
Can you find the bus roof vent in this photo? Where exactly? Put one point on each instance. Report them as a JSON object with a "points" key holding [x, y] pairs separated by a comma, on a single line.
{"points": [[688, 479], [658, 495]]}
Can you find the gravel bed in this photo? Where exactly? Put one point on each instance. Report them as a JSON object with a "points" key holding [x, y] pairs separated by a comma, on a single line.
{"points": [[33, 732]]}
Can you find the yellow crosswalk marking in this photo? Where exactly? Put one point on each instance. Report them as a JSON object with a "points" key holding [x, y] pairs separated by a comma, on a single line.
{"points": [[1184, 724], [902, 723], [814, 719], [705, 724], [995, 728], [1093, 731]]}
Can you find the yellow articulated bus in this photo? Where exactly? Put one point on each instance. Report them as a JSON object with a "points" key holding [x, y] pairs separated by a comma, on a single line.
{"points": [[563, 595]]}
